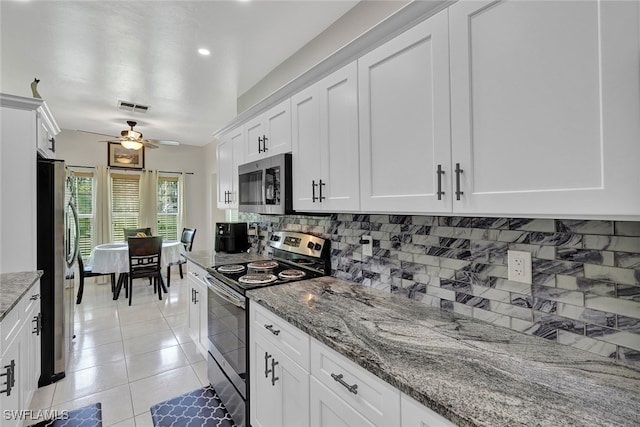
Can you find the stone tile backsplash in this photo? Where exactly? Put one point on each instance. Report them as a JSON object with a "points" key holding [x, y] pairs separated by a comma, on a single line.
{"points": [[586, 274]]}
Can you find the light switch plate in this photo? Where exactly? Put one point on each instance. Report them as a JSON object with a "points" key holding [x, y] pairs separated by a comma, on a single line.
{"points": [[519, 266]]}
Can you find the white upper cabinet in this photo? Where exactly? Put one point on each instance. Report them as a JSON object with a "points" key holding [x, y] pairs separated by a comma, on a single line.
{"points": [[404, 121], [325, 144], [545, 107], [229, 155], [269, 133]]}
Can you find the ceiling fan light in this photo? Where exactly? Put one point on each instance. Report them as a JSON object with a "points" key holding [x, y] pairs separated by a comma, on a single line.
{"points": [[131, 145], [131, 134]]}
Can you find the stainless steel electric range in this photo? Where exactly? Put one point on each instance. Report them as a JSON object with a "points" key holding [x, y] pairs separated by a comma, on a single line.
{"points": [[296, 256]]}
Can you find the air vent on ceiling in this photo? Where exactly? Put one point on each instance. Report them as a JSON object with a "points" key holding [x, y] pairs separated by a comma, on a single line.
{"points": [[131, 106]]}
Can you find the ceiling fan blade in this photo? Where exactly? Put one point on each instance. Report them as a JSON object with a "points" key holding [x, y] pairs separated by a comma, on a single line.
{"points": [[149, 144], [96, 133]]}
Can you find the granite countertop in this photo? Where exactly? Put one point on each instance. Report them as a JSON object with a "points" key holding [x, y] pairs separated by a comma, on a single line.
{"points": [[471, 372], [208, 259], [13, 286]]}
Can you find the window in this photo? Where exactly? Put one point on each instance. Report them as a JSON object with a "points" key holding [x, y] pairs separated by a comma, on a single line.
{"points": [[168, 202], [82, 189], [125, 199]]}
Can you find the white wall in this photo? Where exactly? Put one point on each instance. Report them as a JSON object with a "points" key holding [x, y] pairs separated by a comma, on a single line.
{"points": [[83, 149], [361, 18]]}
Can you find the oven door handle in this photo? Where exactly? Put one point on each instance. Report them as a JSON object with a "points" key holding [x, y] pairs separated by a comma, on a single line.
{"points": [[238, 301]]}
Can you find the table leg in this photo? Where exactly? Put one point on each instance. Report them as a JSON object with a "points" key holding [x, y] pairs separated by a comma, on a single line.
{"points": [[164, 288], [122, 278]]}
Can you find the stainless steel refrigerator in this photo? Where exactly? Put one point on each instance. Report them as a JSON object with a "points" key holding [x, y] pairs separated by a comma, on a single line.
{"points": [[57, 253]]}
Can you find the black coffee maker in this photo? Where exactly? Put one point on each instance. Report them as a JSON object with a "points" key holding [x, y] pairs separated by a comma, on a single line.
{"points": [[231, 237]]}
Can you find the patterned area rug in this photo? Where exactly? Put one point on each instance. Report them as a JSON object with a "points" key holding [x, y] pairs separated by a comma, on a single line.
{"points": [[88, 416], [198, 408]]}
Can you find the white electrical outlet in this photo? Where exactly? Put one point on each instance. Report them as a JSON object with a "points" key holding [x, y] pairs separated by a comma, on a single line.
{"points": [[519, 269], [367, 246]]}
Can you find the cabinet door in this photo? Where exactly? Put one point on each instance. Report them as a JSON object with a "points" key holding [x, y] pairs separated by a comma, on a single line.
{"points": [[224, 151], [277, 123], [32, 333], [414, 414], [404, 121], [328, 410], [339, 136], [254, 133], [14, 355], [236, 137], [194, 309], [203, 328], [45, 141], [545, 107], [306, 149], [279, 387]]}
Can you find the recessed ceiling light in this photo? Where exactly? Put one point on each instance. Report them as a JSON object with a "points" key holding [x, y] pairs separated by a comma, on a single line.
{"points": [[203, 51]]}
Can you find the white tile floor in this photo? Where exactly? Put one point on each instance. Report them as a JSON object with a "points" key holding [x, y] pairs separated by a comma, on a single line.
{"points": [[127, 357]]}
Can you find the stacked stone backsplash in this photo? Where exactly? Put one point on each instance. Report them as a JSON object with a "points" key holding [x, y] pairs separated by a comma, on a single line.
{"points": [[586, 274]]}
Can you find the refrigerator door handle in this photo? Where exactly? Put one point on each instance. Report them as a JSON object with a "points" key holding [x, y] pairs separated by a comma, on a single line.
{"points": [[73, 255]]}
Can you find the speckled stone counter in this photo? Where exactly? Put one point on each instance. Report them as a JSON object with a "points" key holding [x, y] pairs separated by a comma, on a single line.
{"points": [[473, 373], [13, 286], [208, 259]]}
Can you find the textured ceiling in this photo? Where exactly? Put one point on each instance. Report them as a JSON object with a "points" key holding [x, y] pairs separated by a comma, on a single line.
{"points": [[90, 54]]}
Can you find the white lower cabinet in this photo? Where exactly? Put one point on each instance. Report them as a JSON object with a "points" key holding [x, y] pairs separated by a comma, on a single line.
{"points": [[19, 356], [279, 386], [197, 306], [328, 410], [317, 386]]}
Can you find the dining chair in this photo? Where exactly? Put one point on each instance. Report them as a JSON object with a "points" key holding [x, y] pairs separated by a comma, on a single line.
{"points": [[87, 272], [133, 232], [144, 261], [188, 234]]}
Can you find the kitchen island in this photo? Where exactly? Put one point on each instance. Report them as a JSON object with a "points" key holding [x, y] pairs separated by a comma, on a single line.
{"points": [[13, 286], [471, 372]]}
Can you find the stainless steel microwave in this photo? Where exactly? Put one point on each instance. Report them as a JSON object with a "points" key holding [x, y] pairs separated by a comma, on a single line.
{"points": [[265, 186]]}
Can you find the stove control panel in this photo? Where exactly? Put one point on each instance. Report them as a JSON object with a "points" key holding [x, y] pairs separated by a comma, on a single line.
{"points": [[301, 243]]}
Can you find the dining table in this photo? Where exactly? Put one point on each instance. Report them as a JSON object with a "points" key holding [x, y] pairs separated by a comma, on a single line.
{"points": [[113, 257]]}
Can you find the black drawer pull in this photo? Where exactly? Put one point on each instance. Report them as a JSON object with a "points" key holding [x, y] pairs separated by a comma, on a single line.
{"points": [[273, 372], [267, 371], [352, 388], [313, 191], [34, 297], [321, 198], [11, 377], [273, 331]]}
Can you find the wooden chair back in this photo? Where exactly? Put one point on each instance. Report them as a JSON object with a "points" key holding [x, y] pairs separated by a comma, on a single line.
{"points": [[144, 256], [187, 238]]}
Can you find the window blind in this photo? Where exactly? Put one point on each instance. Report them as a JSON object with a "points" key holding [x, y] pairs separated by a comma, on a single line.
{"points": [[82, 192], [168, 207], [125, 198]]}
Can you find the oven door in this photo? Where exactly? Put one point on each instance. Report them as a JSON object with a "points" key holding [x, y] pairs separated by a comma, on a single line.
{"points": [[226, 321]]}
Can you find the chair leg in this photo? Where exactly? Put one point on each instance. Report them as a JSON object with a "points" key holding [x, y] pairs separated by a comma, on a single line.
{"points": [[158, 281], [180, 268], [168, 276], [130, 289], [80, 290], [113, 282]]}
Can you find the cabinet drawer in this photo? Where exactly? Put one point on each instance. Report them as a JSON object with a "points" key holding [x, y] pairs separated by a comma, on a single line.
{"points": [[372, 397], [291, 340], [201, 272]]}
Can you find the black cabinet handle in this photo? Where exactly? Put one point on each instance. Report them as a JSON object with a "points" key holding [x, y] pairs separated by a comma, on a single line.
{"points": [[267, 371], [52, 147], [352, 388], [313, 191], [273, 372], [458, 172], [11, 377], [321, 198], [195, 296], [264, 143], [273, 331], [440, 172], [259, 147], [38, 324], [34, 297]]}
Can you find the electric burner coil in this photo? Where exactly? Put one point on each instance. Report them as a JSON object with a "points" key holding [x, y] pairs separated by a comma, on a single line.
{"points": [[230, 269], [257, 279], [291, 274], [263, 265]]}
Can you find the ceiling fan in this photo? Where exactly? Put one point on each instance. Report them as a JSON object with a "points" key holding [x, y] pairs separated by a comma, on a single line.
{"points": [[133, 140]]}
